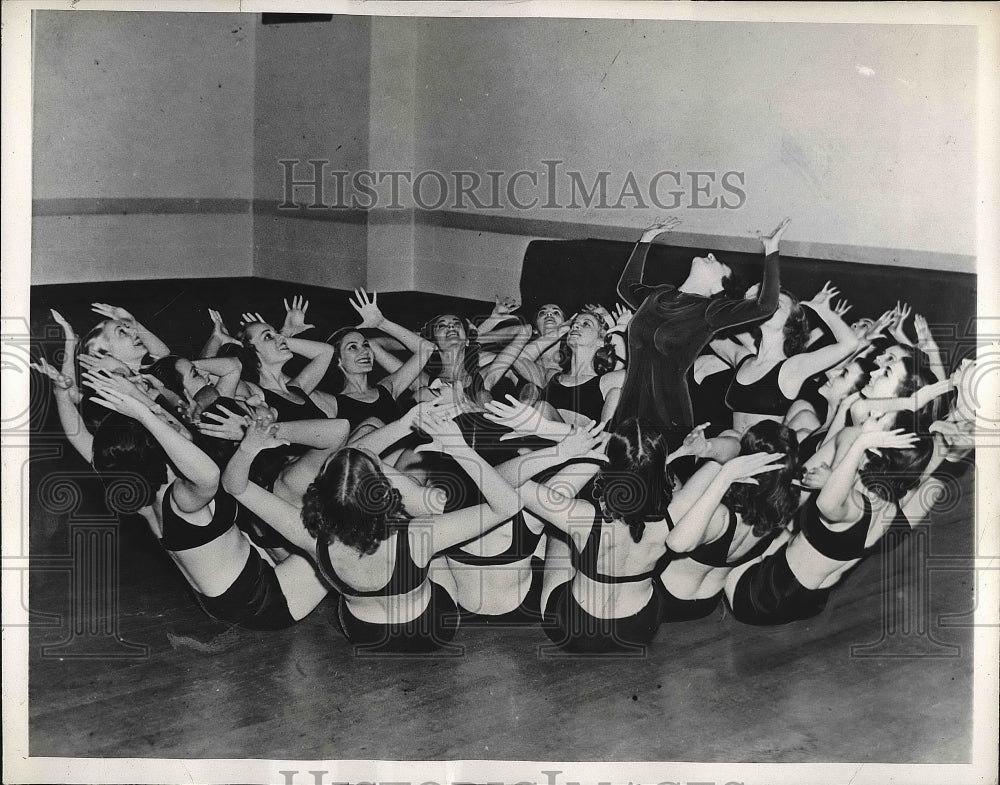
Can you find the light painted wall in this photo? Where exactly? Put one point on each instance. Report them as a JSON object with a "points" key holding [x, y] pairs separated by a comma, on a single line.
{"points": [[312, 102], [863, 134], [130, 107]]}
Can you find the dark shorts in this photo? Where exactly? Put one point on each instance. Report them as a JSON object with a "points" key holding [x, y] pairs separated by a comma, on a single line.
{"points": [[676, 609], [574, 630], [768, 593], [430, 631], [527, 613], [254, 600]]}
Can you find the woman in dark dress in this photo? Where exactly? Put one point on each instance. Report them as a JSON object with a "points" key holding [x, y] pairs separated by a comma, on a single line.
{"points": [[672, 325]]}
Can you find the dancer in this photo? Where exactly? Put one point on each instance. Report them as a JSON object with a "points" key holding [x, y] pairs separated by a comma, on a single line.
{"points": [[366, 544], [672, 324]]}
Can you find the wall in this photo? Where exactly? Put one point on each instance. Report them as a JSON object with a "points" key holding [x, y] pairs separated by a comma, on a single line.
{"points": [[311, 103], [863, 134], [142, 143]]}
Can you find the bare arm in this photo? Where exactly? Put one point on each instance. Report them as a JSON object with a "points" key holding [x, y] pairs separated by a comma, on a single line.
{"points": [[319, 355]]}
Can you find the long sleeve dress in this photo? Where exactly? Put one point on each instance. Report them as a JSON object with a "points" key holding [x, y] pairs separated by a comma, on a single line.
{"points": [[670, 328]]}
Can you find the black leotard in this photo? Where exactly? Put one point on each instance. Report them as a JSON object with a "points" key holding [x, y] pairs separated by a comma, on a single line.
{"points": [[669, 329], [586, 560], [846, 545], [674, 608], [523, 543], [289, 411], [768, 593], [406, 575], [181, 535], [355, 412], [708, 400], [254, 599], [716, 553], [763, 396], [429, 631], [585, 399]]}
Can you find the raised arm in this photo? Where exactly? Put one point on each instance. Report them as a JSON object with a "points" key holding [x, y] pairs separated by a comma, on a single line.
{"points": [[834, 501], [67, 393], [284, 518], [228, 369], [725, 312], [197, 475], [700, 523], [505, 357], [580, 443], [801, 367], [154, 345], [502, 501], [319, 355]]}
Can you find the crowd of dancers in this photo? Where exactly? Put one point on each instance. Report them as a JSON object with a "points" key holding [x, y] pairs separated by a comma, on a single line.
{"points": [[598, 475]]}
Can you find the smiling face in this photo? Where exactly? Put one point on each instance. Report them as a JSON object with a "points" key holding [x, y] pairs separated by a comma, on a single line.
{"points": [[885, 382], [270, 345], [548, 318], [354, 354], [448, 331], [587, 329], [119, 339]]}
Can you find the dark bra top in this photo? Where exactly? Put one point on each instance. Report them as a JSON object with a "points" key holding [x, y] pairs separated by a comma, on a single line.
{"points": [[523, 542], [763, 396], [846, 545], [289, 411], [181, 535], [585, 399], [406, 575], [586, 560], [716, 553], [355, 412]]}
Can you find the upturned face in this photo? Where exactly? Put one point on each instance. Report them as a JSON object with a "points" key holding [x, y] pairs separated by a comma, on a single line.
{"points": [[885, 382], [840, 383], [354, 355], [193, 379], [890, 355], [448, 331], [585, 330], [712, 267], [270, 345], [548, 318], [120, 339]]}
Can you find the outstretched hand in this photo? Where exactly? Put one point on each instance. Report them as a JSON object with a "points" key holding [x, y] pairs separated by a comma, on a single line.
{"points": [[824, 296], [367, 308], [219, 327], [61, 321], [261, 436], [445, 434], [743, 468], [771, 241], [519, 417], [694, 443], [295, 317], [504, 305], [660, 226], [112, 312], [63, 384], [228, 425]]}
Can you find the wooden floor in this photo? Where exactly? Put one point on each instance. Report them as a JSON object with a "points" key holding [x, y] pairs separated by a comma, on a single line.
{"points": [[708, 690]]}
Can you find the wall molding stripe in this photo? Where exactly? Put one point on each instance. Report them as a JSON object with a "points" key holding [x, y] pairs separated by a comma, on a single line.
{"points": [[535, 228], [155, 205]]}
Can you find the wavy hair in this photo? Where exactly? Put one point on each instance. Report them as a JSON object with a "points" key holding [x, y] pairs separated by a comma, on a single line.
{"points": [[472, 382], [123, 446], [353, 501], [795, 330], [891, 474], [634, 486], [771, 503]]}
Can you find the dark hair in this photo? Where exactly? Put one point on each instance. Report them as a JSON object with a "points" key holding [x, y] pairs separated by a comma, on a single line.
{"points": [[894, 472], [795, 329], [604, 357], [352, 500], [733, 287], [335, 376], [95, 332], [125, 448], [475, 386], [219, 450], [771, 503], [634, 486], [247, 355], [165, 369]]}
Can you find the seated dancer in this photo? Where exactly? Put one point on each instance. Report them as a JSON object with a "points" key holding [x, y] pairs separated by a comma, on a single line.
{"points": [[367, 544], [857, 505], [767, 380], [672, 324], [119, 340], [359, 400], [732, 523], [195, 523], [588, 388], [598, 593], [267, 351]]}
